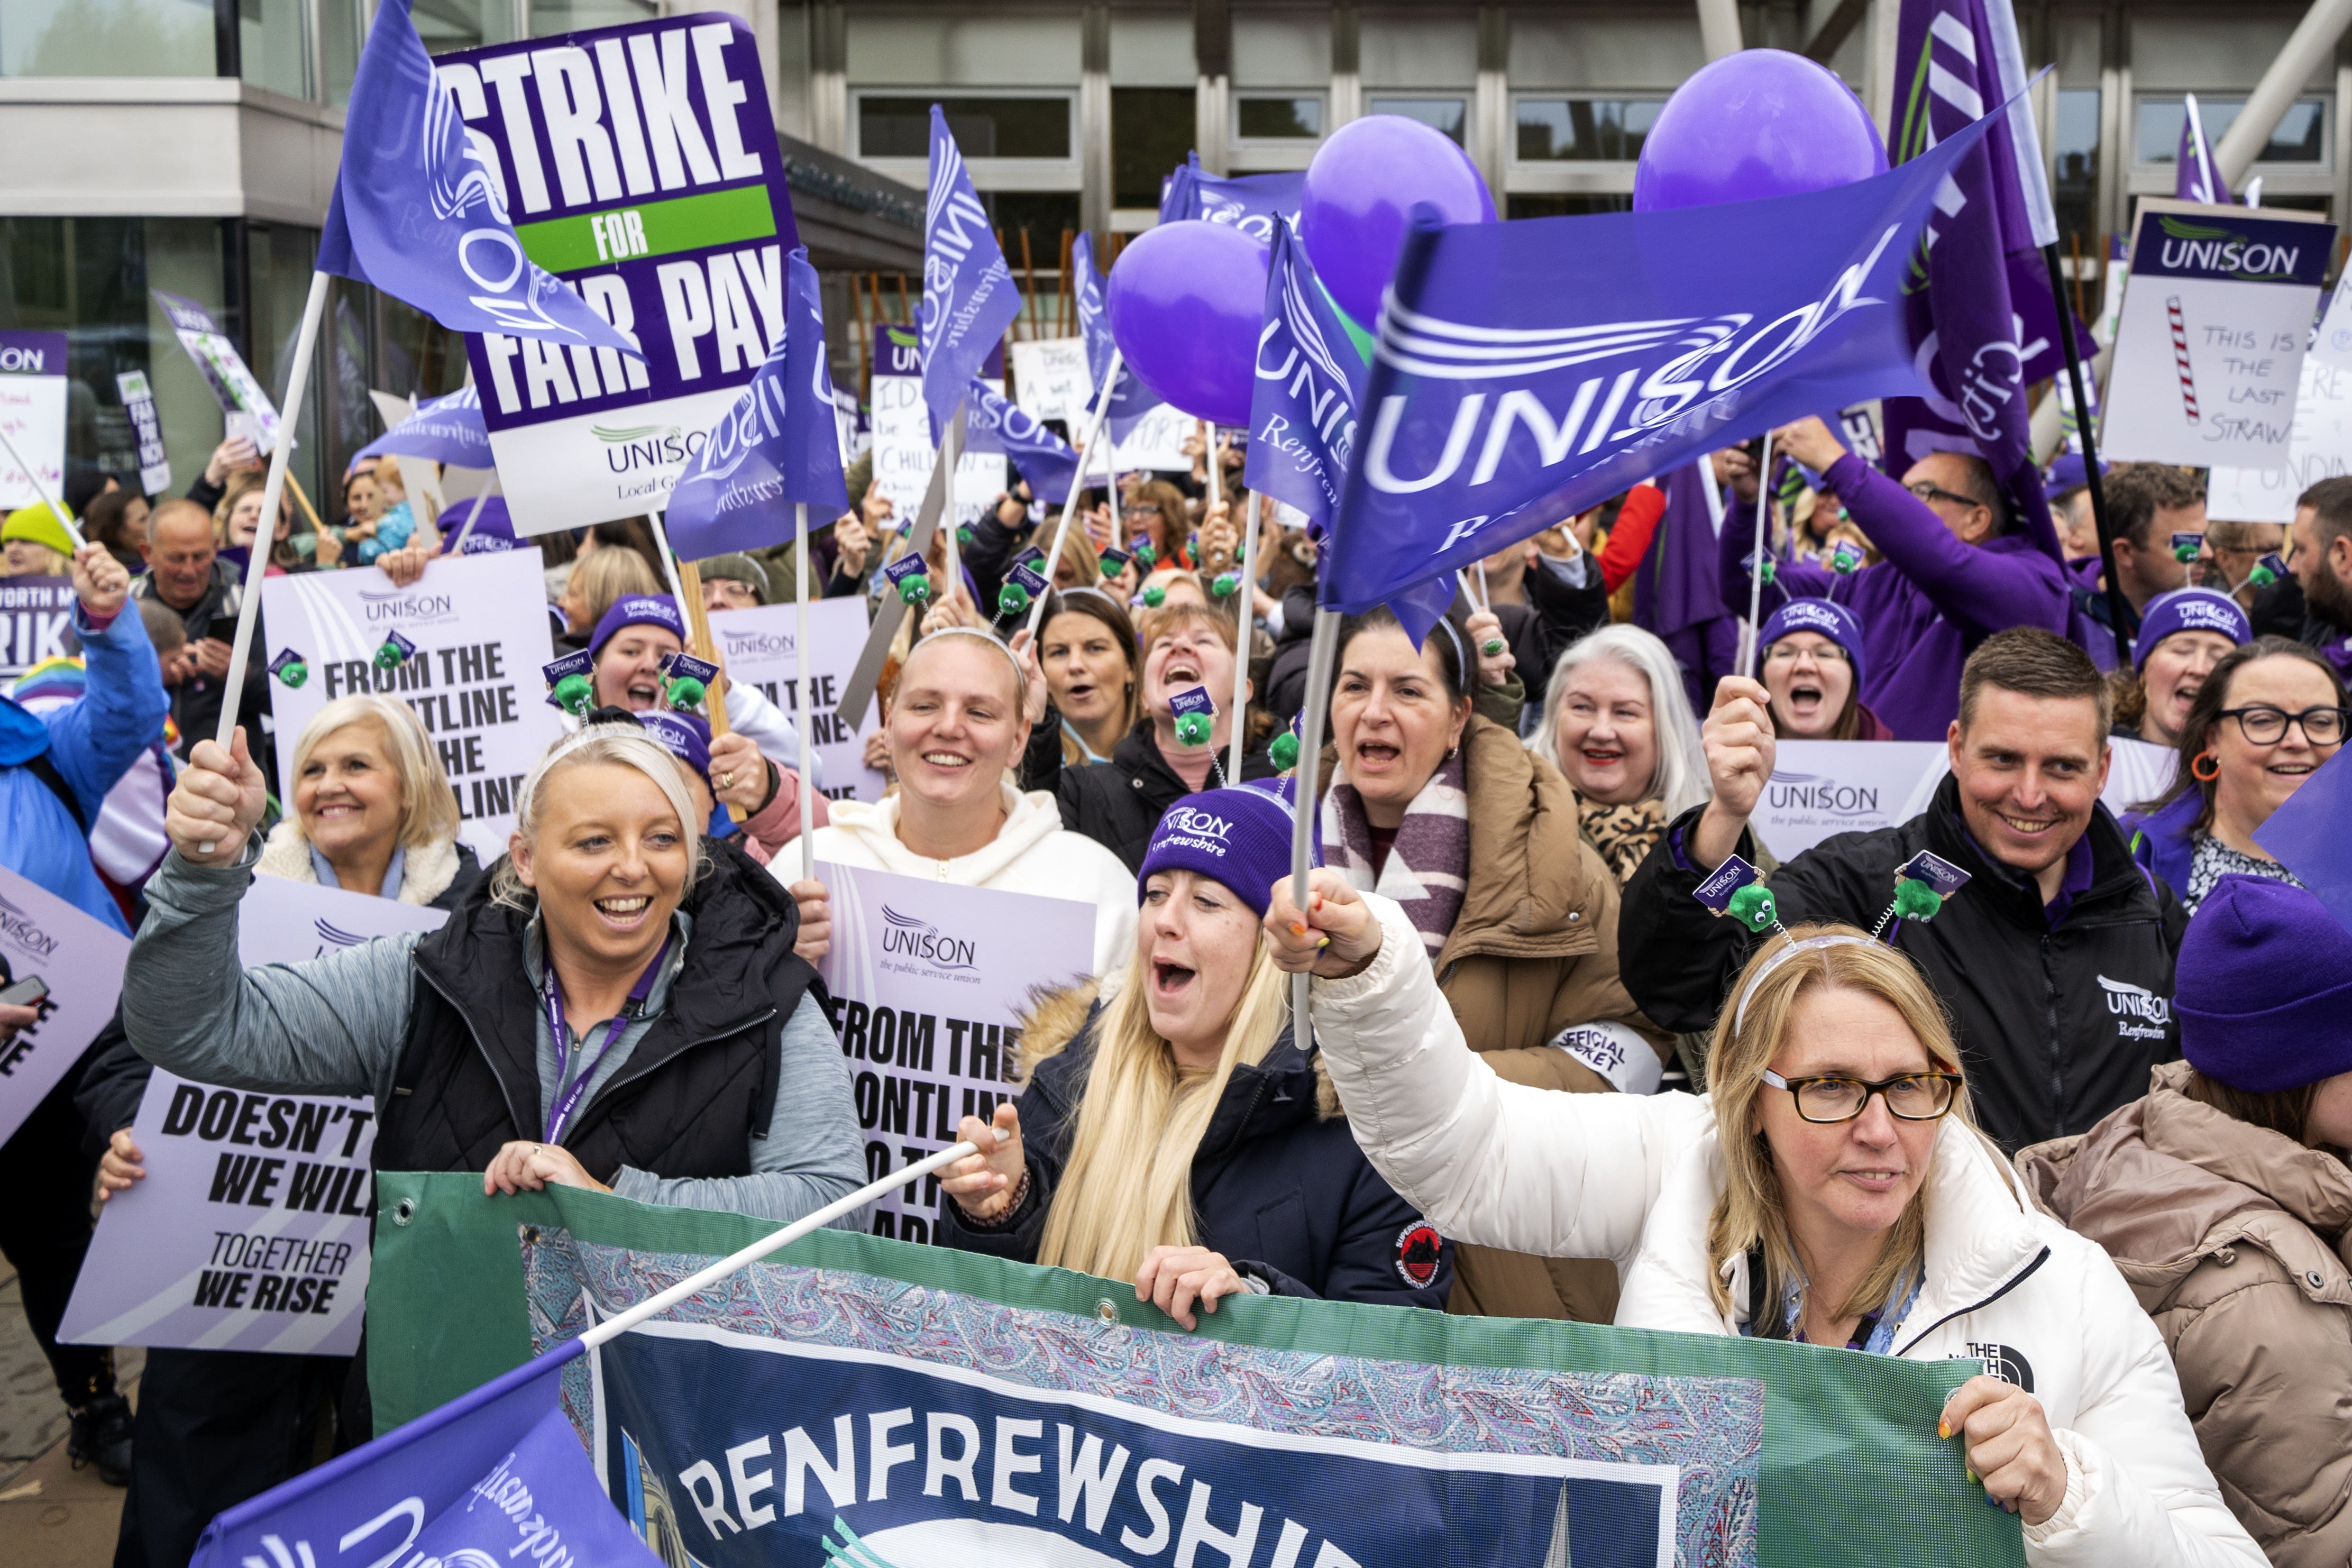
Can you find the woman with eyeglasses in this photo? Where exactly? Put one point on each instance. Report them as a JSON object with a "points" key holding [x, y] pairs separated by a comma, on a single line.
{"points": [[2268, 715], [1831, 1188], [1811, 661]]}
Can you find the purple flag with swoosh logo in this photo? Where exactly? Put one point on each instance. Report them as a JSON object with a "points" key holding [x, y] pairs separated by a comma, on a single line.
{"points": [[1130, 399], [992, 423], [421, 214], [1527, 371], [969, 298], [776, 446]]}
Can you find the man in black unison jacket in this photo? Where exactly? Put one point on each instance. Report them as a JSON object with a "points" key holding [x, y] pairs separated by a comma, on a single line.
{"points": [[2055, 960]]}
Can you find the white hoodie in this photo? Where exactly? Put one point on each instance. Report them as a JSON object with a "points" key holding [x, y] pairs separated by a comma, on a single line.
{"points": [[1634, 1177], [1031, 853]]}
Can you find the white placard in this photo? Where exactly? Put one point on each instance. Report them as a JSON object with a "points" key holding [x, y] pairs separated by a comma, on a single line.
{"points": [[2137, 773], [139, 407], [33, 411], [1050, 380], [1821, 788], [482, 636], [2321, 444], [1157, 442], [903, 455], [927, 982], [2211, 344], [759, 649], [249, 1229], [79, 959]]}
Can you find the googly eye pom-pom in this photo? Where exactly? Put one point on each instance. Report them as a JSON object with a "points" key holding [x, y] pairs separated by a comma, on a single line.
{"points": [[1283, 752], [387, 656], [1154, 597], [1012, 600], [915, 589], [573, 693], [2262, 576], [1915, 900], [1145, 554], [1224, 584], [963, 536], [1192, 729], [1752, 906], [1768, 573], [2184, 554], [687, 692], [293, 673]]}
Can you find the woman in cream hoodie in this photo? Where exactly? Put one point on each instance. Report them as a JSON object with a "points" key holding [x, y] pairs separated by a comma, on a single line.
{"points": [[957, 726]]}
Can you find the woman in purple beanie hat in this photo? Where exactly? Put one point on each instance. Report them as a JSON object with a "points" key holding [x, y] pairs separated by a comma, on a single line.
{"points": [[2183, 634], [2261, 723], [1173, 1133], [1809, 657], [2225, 1200]]}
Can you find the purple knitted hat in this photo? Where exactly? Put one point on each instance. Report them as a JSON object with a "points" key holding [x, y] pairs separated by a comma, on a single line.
{"points": [[1239, 838], [2263, 988]]}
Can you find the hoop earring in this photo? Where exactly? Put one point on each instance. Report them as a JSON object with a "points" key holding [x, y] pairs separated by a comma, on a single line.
{"points": [[2205, 768]]}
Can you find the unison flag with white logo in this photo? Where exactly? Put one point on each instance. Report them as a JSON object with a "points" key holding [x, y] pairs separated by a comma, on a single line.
{"points": [[1254, 203], [442, 430], [2195, 176], [992, 423], [776, 446], [969, 298], [1310, 380], [1527, 371], [420, 207], [1130, 399]]}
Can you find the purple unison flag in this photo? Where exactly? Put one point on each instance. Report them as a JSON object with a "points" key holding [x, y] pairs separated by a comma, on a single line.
{"points": [[1130, 399], [443, 429], [484, 1478], [1676, 585], [2306, 835], [969, 298], [1254, 203], [777, 446], [991, 423], [2195, 176], [1309, 381], [420, 213], [1527, 371]]}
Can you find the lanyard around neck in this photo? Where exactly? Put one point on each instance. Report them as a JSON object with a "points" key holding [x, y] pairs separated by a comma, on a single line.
{"points": [[594, 1045]]}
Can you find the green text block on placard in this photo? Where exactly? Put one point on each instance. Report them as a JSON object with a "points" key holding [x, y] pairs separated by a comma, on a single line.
{"points": [[652, 228]]}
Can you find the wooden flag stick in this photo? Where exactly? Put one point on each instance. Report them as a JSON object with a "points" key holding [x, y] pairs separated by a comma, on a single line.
{"points": [[700, 643]]}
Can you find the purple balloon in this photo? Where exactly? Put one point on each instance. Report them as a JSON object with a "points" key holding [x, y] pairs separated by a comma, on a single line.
{"points": [[1361, 190], [1760, 123], [1186, 300]]}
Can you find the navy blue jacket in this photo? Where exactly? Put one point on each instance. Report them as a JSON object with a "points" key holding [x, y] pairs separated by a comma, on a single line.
{"points": [[1279, 1189]]}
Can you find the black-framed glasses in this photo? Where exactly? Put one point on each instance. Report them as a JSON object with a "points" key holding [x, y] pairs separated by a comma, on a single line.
{"points": [[2263, 724], [1912, 1097], [1928, 491]]}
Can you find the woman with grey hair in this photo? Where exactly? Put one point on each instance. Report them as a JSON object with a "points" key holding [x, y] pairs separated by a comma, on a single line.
{"points": [[617, 1006], [1617, 723], [373, 810]]}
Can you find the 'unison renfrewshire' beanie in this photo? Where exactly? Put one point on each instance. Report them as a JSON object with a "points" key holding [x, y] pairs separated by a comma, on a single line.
{"points": [[638, 610], [1238, 837], [2263, 988], [1827, 617], [2189, 610]]}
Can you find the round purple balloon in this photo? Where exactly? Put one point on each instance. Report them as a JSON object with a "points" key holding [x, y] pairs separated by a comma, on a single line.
{"points": [[1760, 123], [1360, 194], [1186, 300]]}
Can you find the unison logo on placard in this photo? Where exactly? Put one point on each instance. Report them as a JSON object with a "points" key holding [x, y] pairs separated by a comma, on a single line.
{"points": [[764, 644], [914, 938], [629, 449], [1808, 792], [407, 609], [18, 927]]}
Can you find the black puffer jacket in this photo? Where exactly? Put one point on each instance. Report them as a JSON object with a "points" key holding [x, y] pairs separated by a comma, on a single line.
{"points": [[1118, 803], [2057, 1025], [1278, 1184]]}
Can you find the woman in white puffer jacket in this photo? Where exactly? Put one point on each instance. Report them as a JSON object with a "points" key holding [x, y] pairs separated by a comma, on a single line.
{"points": [[1860, 1207]]}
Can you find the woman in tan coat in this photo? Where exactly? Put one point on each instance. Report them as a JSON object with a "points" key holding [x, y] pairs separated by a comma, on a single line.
{"points": [[1478, 840], [2225, 1200]]}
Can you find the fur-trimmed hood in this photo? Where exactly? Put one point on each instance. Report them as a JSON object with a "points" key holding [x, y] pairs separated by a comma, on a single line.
{"points": [[426, 871], [1057, 1018]]}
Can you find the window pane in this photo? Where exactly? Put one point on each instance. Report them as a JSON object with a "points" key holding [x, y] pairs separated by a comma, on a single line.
{"points": [[107, 38], [982, 127], [273, 44], [2075, 145], [1151, 131], [2300, 136], [549, 18], [338, 30], [1601, 131], [2297, 138], [1558, 207], [1271, 119], [1445, 114], [446, 25]]}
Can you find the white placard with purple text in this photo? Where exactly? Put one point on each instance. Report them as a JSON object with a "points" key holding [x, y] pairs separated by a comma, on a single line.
{"points": [[481, 637], [928, 982], [79, 959], [249, 1229], [759, 648], [33, 411]]}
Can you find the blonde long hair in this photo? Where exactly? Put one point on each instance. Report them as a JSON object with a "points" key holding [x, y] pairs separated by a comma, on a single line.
{"points": [[1127, 1186], [1751, 1213]]}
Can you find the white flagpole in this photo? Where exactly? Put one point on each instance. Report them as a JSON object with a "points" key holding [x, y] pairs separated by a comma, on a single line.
{"points": [[257, 564], [481, 496], [1238, 726], [1321, 649], [1755, 561], [57, 511], [801, 654], [669, 560], [950, 453], [2197, 140], [651, 1307], [1077, 483]]}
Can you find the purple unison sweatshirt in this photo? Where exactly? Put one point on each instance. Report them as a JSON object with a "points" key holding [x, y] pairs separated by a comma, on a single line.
{"points": [[1923, 608]]}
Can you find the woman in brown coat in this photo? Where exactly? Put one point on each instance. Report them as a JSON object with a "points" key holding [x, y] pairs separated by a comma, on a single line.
{"points": [[2225, 1200], [1478, 840]]}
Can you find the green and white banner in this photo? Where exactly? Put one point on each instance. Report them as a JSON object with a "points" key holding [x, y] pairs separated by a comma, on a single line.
{"points": [[864, 1402]]}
